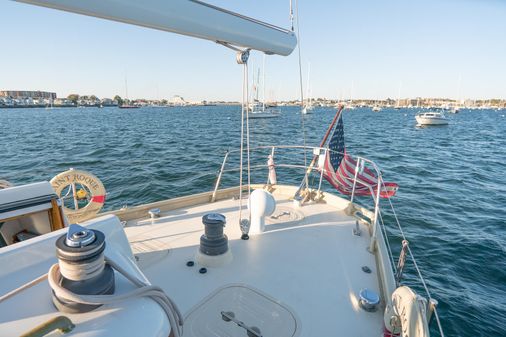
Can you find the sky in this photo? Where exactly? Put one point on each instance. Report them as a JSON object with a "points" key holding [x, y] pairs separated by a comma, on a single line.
{"points": [[356, 49]]}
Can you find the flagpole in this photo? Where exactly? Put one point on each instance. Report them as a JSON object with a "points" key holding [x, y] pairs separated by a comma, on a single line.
{"points": [[322, 143], [324, 140]]}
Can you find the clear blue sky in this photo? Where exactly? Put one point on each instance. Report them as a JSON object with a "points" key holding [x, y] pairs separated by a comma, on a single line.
{"points": [[370, 45]]}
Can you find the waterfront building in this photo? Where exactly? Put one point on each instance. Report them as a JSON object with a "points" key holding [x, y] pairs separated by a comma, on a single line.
{"points": [[178, 101], [20, 94], [63, 102], [108, 102]]}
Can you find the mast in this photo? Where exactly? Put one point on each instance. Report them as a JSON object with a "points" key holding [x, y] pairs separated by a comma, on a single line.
{"points": [[253, 92], [126, 88], [258, 84], [460, 90], [307, 89], [399, 95], [263, 84], [351, 92]]}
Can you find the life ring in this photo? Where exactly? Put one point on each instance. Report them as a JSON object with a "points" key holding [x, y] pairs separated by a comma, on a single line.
{"points": [[79, 187], [411, 312], [5, 184]]}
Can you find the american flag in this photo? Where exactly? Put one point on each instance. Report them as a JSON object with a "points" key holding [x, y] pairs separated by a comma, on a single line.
{"points": [[339, 169]]}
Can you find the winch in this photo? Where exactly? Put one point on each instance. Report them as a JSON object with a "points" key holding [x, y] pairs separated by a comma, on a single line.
{"points": [[82, 266], [213, 250], [213, 242]]}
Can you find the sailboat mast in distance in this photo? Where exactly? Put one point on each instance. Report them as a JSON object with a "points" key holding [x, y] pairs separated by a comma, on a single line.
{"points": [[263, 82], [398, 105], [126, 104], [308, 74], [126, 88]]}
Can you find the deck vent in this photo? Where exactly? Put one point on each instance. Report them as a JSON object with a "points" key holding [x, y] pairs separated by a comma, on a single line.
{"points": [[80, 255], [213, 250], [369, 299], [261, 204]]}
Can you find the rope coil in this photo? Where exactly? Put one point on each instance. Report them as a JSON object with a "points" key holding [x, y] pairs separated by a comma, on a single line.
{"points": [[82, 271], [144, 289]]}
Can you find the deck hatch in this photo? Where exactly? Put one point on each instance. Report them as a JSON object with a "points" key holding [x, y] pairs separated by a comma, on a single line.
{"points": [[249, 306]]}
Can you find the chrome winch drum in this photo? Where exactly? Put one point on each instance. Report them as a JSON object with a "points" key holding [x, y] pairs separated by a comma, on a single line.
{"points": [[83, 269]]}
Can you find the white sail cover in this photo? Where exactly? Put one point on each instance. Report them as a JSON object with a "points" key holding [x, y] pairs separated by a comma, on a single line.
{"points": [[186, 17]]}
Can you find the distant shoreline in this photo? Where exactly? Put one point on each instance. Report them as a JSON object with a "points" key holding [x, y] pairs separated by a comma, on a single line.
{"points": [[106, 106], [34, 106]]}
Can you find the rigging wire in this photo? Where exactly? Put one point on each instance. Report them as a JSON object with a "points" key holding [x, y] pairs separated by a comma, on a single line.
{"points": [[291, 15], [301, 88], [247, 140], [415, 264]]}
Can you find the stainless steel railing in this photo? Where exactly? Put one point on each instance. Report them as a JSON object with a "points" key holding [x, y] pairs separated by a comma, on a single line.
{"points": [[377, 222], [317, 151]]}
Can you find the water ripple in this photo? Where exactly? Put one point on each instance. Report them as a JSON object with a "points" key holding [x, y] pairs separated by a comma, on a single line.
{"points": [[451, 200]]}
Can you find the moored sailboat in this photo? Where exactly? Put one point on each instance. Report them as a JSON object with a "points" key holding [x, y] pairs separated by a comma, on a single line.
{"points": [[261, 110], [308, 105], [127, 105]]}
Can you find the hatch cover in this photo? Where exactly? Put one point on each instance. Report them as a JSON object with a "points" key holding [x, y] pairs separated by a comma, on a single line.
{"points": [[233, 310]]}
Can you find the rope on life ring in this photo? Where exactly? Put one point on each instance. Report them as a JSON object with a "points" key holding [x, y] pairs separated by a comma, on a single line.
{"points": [[93, 192], [411, 311], [5, 184]]}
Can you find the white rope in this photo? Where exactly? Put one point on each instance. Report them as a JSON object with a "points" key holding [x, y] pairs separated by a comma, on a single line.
{"points": [[23, 287], [243, 108], [82, 271], [144, 290], [5, 184]]}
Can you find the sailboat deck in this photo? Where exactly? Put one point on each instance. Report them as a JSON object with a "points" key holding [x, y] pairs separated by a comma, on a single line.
{"points": [[308, 259]]}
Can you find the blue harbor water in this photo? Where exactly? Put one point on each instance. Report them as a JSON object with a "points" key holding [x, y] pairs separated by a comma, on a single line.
{"points": [[451, 200]]}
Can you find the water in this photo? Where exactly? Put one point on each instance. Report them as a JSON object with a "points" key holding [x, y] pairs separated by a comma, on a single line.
{"points": [[451, 200]]}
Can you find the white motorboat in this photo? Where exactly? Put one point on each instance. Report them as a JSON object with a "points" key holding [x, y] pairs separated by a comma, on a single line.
{"points": [[376, 108], [261, 259], [431, 118]]}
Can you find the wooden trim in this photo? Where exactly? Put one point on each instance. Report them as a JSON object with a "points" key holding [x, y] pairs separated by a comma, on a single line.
{"points": [[56, 216]]}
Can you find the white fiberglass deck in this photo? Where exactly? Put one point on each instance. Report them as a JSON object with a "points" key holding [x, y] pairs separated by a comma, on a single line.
{"points": [[309, 260], [301, 277]]}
